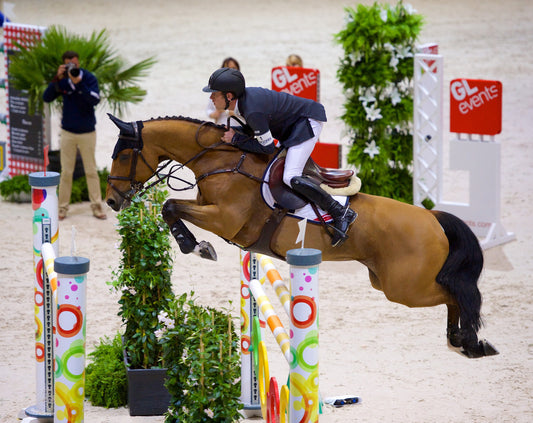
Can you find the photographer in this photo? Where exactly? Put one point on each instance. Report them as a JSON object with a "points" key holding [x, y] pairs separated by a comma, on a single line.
{"points": [[79, 90]]}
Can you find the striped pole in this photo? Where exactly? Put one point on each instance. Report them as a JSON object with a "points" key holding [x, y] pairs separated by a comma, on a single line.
{"points": [[272, 319], [276, 281]]}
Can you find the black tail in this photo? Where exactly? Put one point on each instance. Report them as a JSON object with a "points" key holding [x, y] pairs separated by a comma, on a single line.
{"points": [[461, 271]]}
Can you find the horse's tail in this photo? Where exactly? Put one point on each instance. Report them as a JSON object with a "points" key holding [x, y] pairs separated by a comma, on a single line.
{"points": [[461, 270]]}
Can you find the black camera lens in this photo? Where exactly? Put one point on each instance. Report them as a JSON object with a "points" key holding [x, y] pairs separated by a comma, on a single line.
{"points": [[74, 72]]}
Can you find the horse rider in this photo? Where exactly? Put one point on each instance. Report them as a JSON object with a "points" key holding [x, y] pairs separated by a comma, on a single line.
{"points": [[294, 121]]}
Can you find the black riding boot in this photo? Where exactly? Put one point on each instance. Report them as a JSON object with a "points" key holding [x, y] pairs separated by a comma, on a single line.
{"points": [[343, 216]]}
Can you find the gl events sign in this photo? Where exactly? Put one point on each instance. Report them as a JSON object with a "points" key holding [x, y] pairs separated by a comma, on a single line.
{"points": [[305, 82], [475, 106], [298, 81]]}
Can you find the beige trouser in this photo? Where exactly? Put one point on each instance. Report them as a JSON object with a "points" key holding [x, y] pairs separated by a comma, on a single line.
{"points": [[86, 143]]}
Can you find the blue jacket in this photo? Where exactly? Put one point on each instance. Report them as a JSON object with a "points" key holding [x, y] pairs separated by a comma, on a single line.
{"points": [[284, 115], [78, 102]]}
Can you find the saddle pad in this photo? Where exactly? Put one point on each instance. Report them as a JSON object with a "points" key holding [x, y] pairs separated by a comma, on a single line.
{"points": [[305, 212]]}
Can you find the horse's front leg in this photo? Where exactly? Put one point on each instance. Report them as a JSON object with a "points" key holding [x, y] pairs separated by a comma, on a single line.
{"points": [[185, 238]]}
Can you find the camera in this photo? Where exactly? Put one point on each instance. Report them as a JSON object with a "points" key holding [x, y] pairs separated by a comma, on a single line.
{"points": [[70, 68]]}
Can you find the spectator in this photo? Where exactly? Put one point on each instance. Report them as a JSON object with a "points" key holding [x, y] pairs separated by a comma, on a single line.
{"points": [[294, 60], [80, 92]]}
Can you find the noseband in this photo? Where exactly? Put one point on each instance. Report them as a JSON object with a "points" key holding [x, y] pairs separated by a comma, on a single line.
{"points": [[129, 138]]}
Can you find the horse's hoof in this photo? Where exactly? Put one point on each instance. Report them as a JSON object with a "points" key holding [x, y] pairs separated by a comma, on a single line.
{"points": [[482, 349], [488, 348], [205, 250]]}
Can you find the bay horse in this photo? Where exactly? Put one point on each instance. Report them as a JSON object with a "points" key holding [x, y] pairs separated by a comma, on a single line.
{"points": [[417, 257]]}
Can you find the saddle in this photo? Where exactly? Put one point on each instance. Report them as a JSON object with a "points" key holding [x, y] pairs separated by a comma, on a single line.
{"points": [[289, 199]]}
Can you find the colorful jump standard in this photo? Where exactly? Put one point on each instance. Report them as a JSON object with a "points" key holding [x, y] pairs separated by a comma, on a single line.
{"points": [[45, 230], [70, 338], [304, 397]]}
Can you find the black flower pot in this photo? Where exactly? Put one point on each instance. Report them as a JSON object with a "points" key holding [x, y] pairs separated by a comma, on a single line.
{"points": [[147, 394]]}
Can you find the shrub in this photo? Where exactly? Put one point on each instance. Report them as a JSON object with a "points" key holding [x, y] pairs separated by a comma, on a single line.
{"points": [[106, 383], [201, 354], [143, 276], [376, 73]]}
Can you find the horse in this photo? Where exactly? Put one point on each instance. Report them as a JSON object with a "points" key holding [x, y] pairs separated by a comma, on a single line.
{"points": [[416, 257]]}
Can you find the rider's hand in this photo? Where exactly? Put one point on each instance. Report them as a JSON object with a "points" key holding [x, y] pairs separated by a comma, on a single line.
{"points": [[228, 136]]}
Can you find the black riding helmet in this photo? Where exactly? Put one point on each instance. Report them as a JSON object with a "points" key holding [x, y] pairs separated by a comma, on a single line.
{"points": [[226, 80]]}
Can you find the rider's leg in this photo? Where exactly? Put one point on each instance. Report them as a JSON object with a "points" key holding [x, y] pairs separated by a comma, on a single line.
{"points": [[295, 161], [298, 155], [342, 215]]}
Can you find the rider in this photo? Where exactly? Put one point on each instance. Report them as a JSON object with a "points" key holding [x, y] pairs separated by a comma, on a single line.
{"points": [[295, 122]]}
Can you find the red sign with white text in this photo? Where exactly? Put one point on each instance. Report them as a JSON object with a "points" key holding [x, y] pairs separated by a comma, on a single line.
{"points": [[298, 81], [475, 106]]}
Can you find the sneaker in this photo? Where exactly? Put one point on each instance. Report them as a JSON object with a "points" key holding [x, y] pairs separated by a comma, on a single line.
{"points": [[98, 212]]}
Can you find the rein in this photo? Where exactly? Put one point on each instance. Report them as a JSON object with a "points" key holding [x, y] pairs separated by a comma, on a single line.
{"points": [[136, 186]]}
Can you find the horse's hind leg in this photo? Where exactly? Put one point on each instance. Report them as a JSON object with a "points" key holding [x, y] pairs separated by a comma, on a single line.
{"points": [[464, 340]]}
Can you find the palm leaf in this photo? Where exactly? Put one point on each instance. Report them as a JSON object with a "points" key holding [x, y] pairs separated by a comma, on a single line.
{"points": [[32, 68]]}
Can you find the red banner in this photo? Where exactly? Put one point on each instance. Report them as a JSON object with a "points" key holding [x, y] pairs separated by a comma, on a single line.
{"points": [[475, 106], [298, 81]]}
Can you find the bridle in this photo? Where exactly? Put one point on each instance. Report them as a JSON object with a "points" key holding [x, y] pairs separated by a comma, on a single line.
{"points": [[133, 140]]}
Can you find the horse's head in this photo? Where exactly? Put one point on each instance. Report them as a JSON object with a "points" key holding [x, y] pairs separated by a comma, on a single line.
{"points": [[130, 168]]}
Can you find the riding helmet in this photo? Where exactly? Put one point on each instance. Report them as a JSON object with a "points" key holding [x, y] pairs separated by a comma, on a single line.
{"points": [[226, 80]]}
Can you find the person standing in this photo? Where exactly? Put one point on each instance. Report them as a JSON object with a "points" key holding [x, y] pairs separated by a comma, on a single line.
{"points": [[80, 93], [294, 121]]}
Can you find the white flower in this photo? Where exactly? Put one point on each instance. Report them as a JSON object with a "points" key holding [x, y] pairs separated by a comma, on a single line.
{"points": [[403, 52], [383, 15], [395, 97], [209, 412], [159, 333], [410, 10], [394, 62], [373, 113], [388, 46], [355, 57], [367, 98], [371, 149]]}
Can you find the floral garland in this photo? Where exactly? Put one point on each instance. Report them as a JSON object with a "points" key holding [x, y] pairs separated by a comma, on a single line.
{"points": [[376, 73]]}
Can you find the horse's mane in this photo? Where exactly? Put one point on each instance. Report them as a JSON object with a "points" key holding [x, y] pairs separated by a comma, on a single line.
{"points": [[189, 119]]}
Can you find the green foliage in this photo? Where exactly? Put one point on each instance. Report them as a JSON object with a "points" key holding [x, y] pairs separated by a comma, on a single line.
{"points": [[16, 185], [19, 184], [376, 72], [106, 383], [32, 68], [80, 192], [201, 354], [143, 276]]}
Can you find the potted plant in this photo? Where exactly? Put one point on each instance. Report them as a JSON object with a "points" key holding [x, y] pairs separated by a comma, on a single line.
{"points": [[376, 72], [143, 278], [106, 384], [16, 189], [202, 354]]}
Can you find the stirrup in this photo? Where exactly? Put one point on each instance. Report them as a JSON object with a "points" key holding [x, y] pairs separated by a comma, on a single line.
{"points": [[339, 236]]}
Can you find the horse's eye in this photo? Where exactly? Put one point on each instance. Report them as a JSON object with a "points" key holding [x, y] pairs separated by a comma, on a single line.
{"points": [[124, 157]]}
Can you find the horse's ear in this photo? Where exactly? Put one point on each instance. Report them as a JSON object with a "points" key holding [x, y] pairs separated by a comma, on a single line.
{"points": [[125, 127]]}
